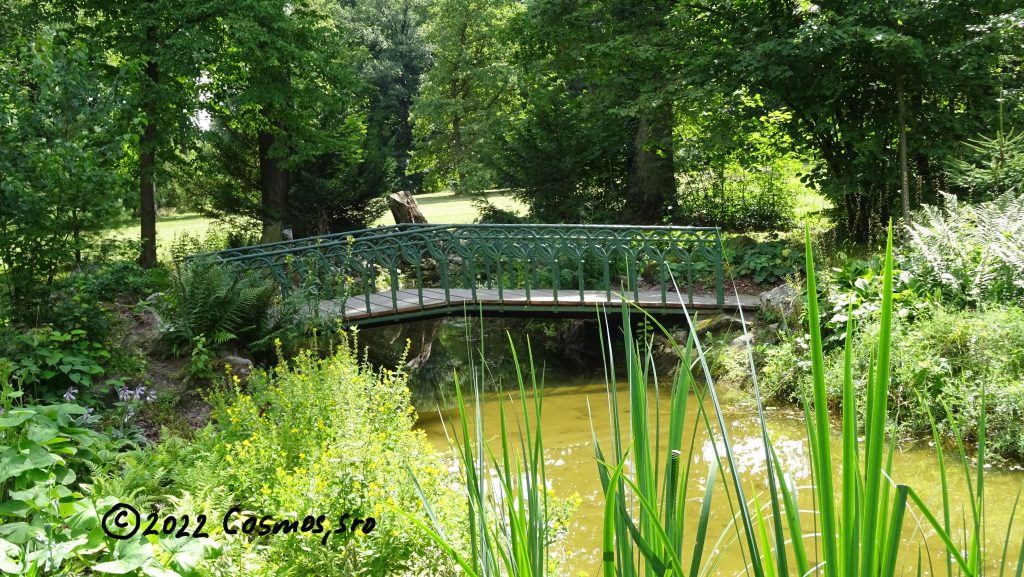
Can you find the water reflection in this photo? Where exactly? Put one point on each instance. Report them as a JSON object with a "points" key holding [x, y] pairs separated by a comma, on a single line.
{"points": [[572, 469]]}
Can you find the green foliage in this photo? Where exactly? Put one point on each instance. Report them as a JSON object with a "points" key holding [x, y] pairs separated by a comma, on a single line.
{"points": [[765, 262], [220, 304], [850, 74], [288, 118], [970, 253], [944, 361], [463, 93], [200, 361], [63, 137], [855, 290], [312, 436], [736, 199], [50, 517], [946, 357], [219, 236], [995, 166], [53, 364], [392, 33]]}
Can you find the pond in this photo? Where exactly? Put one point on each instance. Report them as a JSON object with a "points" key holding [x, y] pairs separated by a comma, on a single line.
{"points": [[574, 391]]}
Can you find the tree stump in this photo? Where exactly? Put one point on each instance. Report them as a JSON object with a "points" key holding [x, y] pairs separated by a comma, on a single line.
{"points": [[404, 208]]}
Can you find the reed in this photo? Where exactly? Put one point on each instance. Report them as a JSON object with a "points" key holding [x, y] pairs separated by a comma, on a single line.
{"points": [[858, 518]]}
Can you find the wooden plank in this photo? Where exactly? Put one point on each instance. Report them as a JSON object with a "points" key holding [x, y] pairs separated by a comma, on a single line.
{"points": [[408, 301]]}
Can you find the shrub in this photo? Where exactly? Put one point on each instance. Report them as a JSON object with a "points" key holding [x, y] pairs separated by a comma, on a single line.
{"points": [[220, 235], [971, 254], [50, 516], [312, 436], [736, 198], [855, 288], [945, 359], [995, 165], [765, 262]]}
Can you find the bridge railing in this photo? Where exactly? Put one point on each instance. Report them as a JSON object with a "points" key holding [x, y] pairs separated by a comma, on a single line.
{"points": [[415, 265]]}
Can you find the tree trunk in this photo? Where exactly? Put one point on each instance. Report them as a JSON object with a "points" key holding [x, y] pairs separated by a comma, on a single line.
{"points": [[904, 169], [404, 208], [460, 171], [274, 181], [147, 161], [653, 180]]}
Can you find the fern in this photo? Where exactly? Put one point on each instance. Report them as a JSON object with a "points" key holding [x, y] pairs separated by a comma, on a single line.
{"points": [[972, 253], [218, 302]]}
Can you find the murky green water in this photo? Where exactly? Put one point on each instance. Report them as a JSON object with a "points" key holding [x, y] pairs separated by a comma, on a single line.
{"points": [[573, 393]]}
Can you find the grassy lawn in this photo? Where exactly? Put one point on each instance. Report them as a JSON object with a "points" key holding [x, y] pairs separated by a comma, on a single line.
{"points": [[167, 228], [809, 202], [448, 208], [439, 208]]}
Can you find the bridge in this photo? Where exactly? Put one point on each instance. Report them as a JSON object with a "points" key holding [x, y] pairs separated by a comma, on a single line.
{"points": [[407, 271]]}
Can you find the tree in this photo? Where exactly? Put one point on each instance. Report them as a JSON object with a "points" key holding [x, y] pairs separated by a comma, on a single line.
{"points": [[63, 136], [466, 92], [165, 45], [286, 102], [607, 66], [392, 33], [859, 78]]}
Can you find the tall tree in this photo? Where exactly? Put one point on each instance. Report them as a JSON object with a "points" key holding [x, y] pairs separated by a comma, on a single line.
{"points": [[285, 87], [470, 86], [392, 33], [847, 71], [165, 44], [612, 59], [63, 135]]}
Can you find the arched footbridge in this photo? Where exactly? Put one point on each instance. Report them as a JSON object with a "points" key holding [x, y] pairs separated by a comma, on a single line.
{"points": [[407, 271]]}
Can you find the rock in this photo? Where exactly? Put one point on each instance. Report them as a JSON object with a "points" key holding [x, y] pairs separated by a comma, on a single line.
{"points": [[781, 299], [240, 366], [742, 341], [144, 330], [719, 324], [680, 336]]}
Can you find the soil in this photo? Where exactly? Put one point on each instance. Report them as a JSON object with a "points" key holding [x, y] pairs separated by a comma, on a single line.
{"points": [[163, 372]]}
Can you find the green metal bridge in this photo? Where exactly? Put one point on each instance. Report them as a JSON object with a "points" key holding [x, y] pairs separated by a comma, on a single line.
{"points": [[394, 273]]}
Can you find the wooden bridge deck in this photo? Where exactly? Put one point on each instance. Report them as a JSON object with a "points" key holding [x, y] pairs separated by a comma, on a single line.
{"points": [[540, 301]]}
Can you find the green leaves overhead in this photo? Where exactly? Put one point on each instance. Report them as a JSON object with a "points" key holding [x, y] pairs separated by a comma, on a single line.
{"points": [[844, 70]]}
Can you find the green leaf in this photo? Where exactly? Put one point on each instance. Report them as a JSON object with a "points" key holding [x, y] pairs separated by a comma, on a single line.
{"points": [[20, 533], [16, 417], [8, 553], [187, 552], [26, 457], [15, 508], [128, 556]]}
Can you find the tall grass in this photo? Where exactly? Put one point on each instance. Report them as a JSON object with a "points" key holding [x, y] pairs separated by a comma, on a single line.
{"points": [[858, 518]]}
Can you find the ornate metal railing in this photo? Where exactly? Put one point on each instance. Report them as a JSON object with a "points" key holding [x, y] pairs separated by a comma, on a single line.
{"points": [[419, 267]]}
